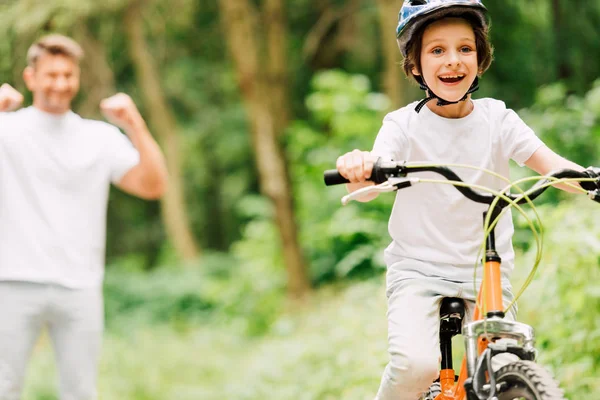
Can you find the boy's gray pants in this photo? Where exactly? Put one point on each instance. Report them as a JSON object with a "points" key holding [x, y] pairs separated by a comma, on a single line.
{"points": [[75, 322], [413, 330]]}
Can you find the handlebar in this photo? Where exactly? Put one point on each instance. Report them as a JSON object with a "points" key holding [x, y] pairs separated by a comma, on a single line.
{"points": [[382, 171], [395, 173]]}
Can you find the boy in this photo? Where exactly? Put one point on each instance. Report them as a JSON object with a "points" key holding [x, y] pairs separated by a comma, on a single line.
{"points": [[436, 232]]}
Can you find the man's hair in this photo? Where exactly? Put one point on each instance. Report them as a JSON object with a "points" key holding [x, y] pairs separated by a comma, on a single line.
{"points": [[484, 48], [54, 44]]}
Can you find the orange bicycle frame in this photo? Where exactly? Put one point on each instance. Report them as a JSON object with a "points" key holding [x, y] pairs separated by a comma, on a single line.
{"points": [[491, 288]]}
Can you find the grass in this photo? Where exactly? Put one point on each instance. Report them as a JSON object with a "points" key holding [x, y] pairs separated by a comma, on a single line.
{"points": [[332, 348], [335, 348]]}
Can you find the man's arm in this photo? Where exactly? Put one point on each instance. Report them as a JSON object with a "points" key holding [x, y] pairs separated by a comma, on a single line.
{"points": [[10, 99], [544, 160], [148, 179]]}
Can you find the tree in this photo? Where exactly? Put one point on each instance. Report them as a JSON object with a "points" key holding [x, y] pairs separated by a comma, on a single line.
{"points": [[98, 80], [165, 127], [393, 83], [262, 80]]}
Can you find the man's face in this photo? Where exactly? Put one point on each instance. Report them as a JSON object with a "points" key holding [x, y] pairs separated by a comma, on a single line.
{"points": [[54, 82]]}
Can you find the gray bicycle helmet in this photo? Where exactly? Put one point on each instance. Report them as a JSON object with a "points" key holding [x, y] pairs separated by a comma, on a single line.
{"points": [[416, 13]]}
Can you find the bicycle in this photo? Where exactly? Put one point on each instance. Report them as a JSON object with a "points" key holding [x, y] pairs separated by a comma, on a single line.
{"points": [[522, 379]]}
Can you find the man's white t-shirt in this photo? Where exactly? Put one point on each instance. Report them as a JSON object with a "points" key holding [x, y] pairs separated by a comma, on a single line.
{"points": [[55, 175], [434, 222]]}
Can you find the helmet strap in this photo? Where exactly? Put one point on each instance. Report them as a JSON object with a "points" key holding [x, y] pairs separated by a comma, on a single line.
{"points": [[442, 102]]}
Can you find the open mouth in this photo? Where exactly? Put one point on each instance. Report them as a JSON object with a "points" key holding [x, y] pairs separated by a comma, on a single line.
{"points": [[452, 78]]}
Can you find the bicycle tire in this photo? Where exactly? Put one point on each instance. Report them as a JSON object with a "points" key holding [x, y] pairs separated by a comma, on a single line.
{"points": [[526, 380]]}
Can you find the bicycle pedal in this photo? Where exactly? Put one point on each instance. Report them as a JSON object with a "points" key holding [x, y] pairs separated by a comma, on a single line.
{"points": [[434, 390]]}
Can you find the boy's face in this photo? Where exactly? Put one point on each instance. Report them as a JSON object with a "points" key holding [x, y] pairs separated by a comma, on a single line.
{"points": [[449, 58], [54, 82]]}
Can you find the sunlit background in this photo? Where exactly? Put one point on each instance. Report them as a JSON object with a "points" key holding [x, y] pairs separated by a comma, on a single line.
{"points": [[251, 281]]}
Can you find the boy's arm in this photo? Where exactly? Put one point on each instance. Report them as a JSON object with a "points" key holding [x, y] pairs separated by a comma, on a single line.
{"points": [[544, 160], [356, 166]]}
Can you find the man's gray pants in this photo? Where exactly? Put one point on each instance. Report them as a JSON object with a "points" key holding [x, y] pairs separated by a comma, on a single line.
{"points": [[75, 322]]}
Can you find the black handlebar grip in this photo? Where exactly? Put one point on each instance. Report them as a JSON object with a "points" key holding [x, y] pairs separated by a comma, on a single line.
{"points": [[333, 177]]}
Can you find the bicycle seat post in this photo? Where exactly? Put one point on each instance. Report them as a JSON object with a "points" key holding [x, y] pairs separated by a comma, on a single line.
{"points": [[452, 312]]}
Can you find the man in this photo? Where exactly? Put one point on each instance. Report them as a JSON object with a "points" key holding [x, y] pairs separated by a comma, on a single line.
{"points": [[55, 173]]}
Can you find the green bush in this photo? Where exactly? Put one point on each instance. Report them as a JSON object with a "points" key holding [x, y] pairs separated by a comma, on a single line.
{"points": [[568, 124], [222, 289], [348, 241], [335, 348], [563, 303]]}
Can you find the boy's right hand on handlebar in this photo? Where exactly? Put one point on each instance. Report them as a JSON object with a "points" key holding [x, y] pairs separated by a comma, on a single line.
{"points": [[356, 166], [10, 99]]}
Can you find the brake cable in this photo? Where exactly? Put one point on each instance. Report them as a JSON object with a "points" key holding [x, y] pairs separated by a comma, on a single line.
{"points": [[490, 225]]}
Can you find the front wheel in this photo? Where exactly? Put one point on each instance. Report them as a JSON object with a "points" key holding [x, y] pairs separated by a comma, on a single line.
{"points": [[526, 380]]}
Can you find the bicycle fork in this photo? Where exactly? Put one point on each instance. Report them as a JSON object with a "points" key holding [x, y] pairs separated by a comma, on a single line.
{"points": [[482, 334]]}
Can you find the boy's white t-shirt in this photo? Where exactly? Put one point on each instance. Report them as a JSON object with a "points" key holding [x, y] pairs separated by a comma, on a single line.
{"points": [[434, 222], [55, 175]]}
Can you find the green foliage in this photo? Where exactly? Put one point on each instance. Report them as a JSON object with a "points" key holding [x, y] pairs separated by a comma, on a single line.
{"points": [[567, 123], [538, 42], [522, 42], [344, 114], [335, 349], [563, 303], [244, 290], [336, 346]]}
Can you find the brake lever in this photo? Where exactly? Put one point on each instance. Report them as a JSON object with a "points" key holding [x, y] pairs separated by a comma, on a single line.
{"points": [[594, 195], [391, 185]]}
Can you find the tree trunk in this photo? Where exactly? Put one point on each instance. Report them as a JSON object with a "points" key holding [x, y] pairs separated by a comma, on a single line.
{"points": [[277, 74], [332, 35], [174, 210], [259, 90], [348, 30], [563, 70], [98, 81], [393, 77]]}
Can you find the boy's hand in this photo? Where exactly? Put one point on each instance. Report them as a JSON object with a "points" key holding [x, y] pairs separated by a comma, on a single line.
{"points": [[10, 99], [121, 111], [356, 166]]}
